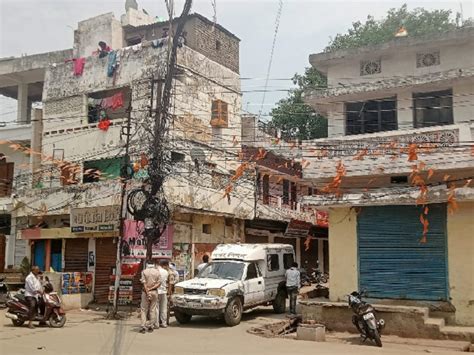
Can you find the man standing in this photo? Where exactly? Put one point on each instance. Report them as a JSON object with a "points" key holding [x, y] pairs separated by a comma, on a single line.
{"points": [[150, 280], [33, 290], [205, 261], [293, 285], [162, 306]]}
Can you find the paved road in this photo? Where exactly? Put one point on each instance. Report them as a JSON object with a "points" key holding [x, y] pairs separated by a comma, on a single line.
{"points": [[89, 333]]}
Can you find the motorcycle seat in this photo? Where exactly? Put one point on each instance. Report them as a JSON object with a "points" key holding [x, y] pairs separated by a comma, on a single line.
{"points": [[21, 298]]}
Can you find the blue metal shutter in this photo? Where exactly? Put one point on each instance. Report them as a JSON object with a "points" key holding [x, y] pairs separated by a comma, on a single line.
{"points": [[392, 261]]}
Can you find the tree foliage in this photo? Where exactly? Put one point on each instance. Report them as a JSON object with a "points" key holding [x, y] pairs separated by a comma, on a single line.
{"points": [[418, 22], [293, 116], [297, 120]]}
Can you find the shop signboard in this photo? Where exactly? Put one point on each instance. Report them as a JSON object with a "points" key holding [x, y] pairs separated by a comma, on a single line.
{"points": [[95, 219]]}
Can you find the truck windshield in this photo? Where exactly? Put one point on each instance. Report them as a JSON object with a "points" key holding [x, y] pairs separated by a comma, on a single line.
{"points": [[223, 270]]}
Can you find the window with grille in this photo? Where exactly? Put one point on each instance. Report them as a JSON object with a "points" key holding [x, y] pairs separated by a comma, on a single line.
{"points": [[433, 108], [220, 115], [371, 116]]}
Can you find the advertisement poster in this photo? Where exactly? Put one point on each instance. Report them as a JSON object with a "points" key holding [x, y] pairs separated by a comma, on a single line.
{"points": [[133, 243], [76, 282]]}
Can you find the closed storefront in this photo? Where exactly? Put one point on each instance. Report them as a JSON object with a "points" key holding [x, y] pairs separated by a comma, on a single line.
{"points": [[76, 255], [393, 262], [106, 253]]}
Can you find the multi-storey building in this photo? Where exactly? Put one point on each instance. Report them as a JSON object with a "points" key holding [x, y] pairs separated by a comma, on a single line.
{"points": [[68, 210], [397, 168]]}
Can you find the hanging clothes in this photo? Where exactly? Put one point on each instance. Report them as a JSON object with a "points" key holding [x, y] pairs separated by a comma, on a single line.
{"points": [[113, 102], [77, 65], [104, 124], [112, 64]]}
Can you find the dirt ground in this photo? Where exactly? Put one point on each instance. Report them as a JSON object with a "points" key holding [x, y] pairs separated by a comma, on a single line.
{"points": [[87, 332]]}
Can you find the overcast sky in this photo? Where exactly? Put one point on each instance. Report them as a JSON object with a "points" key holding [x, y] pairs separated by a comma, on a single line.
{"points": [[35, 26]]}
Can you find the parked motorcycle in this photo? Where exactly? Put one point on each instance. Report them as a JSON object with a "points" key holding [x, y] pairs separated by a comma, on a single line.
{"points": [[364, 318], [305, 279], [3, 293], [318, 277], [53, 312]]}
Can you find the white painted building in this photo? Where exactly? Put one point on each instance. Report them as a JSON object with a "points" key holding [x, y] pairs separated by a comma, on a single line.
{"points": [[395, 173]]}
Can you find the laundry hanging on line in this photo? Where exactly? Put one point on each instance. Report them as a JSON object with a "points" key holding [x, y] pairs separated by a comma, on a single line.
{"points": [[112, 64], [77, 66]]}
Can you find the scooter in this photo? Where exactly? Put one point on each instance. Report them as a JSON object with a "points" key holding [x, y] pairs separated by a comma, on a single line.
{"points": [[18, 308], [3, 293], [364, 318]]}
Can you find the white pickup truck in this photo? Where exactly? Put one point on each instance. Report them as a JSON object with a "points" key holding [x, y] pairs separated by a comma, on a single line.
{"points": [[239, 277]]}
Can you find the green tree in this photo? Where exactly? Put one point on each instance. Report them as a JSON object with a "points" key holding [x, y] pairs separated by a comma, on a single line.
{"points": [[293, 116], [298, 120]]}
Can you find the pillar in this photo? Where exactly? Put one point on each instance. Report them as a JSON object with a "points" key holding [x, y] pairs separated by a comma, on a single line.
{"points": [[22, 108], [298, 251], [321, 254], [36, 143], [47, 261]]}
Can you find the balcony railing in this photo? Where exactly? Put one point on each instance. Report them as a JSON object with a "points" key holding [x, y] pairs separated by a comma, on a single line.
{"points": [[385, 153]]}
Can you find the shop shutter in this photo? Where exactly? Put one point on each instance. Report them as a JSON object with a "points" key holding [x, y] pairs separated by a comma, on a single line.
{"points": [[392, 261], [76, 255], [106, 253]]}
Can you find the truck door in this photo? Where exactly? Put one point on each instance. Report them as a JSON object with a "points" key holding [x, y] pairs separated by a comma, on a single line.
{"points": [[254, 285]]}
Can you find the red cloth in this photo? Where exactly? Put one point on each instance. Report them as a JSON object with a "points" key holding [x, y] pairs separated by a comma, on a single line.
{"points": [[79, 66], [104, 124], [117, 101], [113, 102]]}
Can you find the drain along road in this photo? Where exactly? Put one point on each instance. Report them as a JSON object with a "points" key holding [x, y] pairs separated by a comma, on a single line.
{"points": [[88, 332]]}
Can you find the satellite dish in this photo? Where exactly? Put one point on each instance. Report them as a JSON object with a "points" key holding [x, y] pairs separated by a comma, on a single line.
{"points": [[198, 154]]}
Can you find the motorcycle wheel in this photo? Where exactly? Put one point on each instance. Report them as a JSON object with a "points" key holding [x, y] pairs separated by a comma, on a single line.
{"points": [[17, 322], [377, 339], [57, 321], [323, 279]]}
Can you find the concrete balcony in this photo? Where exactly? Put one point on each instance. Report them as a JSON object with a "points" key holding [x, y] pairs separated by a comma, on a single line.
{"points": [[440, 148], [59, 200], [275, 209]]}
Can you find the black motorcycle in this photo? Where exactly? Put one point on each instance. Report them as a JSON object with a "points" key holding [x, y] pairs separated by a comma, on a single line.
{"points": [[305, 279], [3, 293], [364, 318]]}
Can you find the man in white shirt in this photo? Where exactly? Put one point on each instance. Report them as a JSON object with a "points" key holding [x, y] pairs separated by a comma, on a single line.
{"points": [[33, 290], [162, 305], [205, 261], [293, 285]]}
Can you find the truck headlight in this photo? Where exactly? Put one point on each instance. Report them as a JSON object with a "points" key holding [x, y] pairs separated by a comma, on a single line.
{"points": [[179, 290], [219, 292]]}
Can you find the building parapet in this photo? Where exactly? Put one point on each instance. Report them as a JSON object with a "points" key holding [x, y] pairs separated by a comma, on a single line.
{"points": [[380, 85], [389, 196], [386, 153]]}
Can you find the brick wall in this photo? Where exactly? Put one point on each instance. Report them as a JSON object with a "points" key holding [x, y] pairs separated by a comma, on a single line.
{"points": [[216, 44]]}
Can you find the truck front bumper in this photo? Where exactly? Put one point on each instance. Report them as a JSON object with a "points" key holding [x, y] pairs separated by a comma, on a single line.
{"points": [[199, 304]]}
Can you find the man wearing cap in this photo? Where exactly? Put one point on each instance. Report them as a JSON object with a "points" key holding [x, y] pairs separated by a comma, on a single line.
{"points": [[151, 281]]}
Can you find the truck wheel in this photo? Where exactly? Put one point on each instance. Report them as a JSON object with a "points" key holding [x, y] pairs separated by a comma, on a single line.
{"points": [[233, 312], [279, 303], [182, 317]]}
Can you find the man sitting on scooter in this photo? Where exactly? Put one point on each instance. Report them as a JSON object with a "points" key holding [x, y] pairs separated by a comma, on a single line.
{"points": [[33, 290]]}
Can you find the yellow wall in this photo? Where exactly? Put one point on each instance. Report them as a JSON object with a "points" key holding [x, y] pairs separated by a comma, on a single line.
{"points": [[461, 262], [342, 253]]}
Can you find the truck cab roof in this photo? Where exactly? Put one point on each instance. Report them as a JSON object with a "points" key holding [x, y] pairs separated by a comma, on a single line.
{"points": [[248, 252]]}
